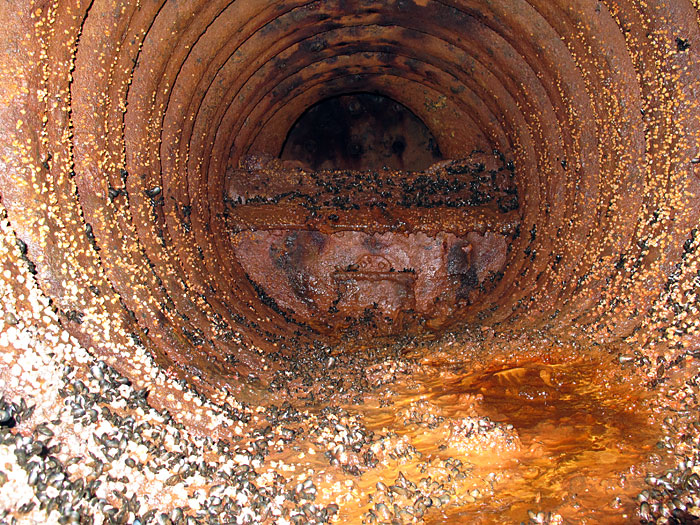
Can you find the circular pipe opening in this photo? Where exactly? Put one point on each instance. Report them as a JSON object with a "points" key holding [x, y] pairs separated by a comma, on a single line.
{"points": [[177, 287]]}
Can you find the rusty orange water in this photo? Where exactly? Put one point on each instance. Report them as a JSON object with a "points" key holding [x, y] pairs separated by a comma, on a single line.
{"points": [[568, 432], [582, 436]]}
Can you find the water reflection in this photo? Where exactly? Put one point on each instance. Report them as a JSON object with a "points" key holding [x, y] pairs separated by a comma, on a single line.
{"points": [[568, 439]]}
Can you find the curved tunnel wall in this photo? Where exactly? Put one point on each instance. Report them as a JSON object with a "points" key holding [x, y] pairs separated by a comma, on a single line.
{"points": [[119, 121]]}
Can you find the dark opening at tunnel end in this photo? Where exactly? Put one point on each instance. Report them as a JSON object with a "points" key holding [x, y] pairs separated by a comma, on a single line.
{"points": [[360, 131]]}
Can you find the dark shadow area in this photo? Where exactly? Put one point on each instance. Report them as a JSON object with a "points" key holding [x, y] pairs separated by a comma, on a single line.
{"points": [[361, 131]]}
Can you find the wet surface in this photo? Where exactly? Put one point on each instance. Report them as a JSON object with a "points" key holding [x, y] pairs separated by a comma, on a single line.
{"points": [[555, 433], [578, 439]]}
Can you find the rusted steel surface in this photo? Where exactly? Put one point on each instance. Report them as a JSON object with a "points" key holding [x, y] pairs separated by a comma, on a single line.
{"points": [[381, 283], [149, 229], [390, 251]]}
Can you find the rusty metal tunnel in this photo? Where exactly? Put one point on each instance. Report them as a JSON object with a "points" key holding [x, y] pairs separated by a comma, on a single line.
{"points": [[243, 211]]}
